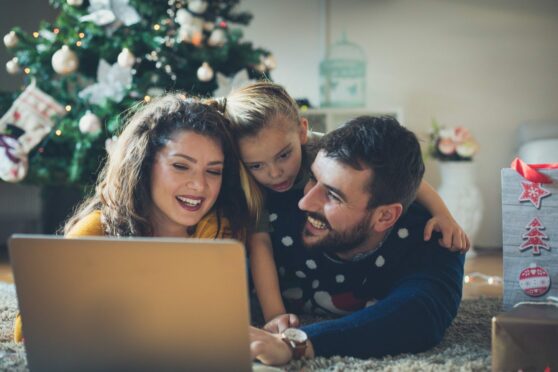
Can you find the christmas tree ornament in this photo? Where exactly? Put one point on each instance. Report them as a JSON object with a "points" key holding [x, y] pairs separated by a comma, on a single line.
{"points": [[261, 67], [197, 6], [191, 28], [110, 143], [205, 72], [12, 66], [177, 31], [126, 58], [269, 62], [533, 192], [225, 85], [90, 123], [535, 237], [13, 160], [11, 39], [111, 14], [218, 38], [534, 280], [112, 84], [65, 61], [23, 126]]}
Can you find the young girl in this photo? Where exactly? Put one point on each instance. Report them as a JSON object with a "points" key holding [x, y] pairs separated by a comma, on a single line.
{"points": [[174, 172], [273, 142]]}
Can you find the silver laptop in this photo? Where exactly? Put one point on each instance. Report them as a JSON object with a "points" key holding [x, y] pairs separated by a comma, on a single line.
{"points": [[153, 304]]}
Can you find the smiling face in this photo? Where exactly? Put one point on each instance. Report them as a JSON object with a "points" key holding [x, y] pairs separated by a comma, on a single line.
{"points": [[186, 179], [336, 199], [274, 155]]}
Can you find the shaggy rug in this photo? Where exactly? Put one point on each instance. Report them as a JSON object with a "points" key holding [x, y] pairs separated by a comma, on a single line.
{"points": [[465, 347]]}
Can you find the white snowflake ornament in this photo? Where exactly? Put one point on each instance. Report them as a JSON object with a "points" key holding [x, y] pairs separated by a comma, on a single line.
{"points": [[112, 84], [226, 84]]}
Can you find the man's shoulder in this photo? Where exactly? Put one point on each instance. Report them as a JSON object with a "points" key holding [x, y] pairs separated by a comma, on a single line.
{"points": [[416, 215], [406, 240]]}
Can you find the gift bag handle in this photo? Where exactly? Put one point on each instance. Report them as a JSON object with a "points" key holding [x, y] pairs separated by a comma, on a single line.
{"points": [[530, 172]]}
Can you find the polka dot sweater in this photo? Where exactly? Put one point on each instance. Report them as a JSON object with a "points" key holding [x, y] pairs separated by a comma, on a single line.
{"points": [[400, 298]]}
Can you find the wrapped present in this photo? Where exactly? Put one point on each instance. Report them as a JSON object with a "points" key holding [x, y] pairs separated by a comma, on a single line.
{"points": [[526, 338], [530, 232]]}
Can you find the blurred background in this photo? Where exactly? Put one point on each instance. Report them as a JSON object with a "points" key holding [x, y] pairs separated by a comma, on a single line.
{"points": [[486, 65]]}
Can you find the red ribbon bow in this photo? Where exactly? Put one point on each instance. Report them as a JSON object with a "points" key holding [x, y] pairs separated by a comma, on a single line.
{"points": [[529, 171]]}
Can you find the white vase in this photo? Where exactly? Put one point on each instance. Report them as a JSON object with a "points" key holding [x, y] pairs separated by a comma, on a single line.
{"points": [[459, 191]]}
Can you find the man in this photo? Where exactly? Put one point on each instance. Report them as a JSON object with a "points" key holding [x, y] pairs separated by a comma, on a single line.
{"points": [[364, 256]]}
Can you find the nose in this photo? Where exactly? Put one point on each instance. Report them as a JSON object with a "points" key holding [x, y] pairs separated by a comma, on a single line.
{"points": [[275, 171], [312, 201], [197, 182]]}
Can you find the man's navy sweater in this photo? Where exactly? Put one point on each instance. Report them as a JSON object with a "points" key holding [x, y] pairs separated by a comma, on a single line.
{"points": [[401, 298]]}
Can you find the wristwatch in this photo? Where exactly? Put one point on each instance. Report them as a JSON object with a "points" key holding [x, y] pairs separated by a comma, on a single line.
{"points": [[297, 340]]}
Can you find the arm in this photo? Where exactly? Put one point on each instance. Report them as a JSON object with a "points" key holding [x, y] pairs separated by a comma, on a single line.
{"points": [[453, 237], [412, 318], [264, 273]]}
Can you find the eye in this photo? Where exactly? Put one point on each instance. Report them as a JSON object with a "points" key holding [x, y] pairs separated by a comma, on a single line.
{"points": [[333, 197], [254, 167], [285, 155], [215, 172], [180, 166]]}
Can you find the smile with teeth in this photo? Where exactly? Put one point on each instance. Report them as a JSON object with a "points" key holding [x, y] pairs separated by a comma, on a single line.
{"points": [[188, 201], [316, 223]]}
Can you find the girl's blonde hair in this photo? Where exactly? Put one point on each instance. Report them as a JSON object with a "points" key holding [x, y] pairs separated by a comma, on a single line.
{"points": [[254, 106], [123, 190]]}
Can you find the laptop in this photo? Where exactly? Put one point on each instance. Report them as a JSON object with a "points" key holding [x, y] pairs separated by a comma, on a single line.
{"points": [[132, 304]]}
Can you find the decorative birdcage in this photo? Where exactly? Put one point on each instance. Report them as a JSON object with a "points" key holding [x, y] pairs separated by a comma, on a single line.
{"points": [[343, 75]]}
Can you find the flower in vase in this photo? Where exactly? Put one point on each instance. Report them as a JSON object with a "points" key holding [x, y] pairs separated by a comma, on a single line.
{"points": [[452, 143]]}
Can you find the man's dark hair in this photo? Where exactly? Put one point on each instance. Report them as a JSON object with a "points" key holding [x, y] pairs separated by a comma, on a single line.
{"points": [[383, 145]]}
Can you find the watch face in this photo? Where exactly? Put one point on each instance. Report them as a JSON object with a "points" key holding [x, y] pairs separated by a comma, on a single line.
{"points": [[295, 335]]}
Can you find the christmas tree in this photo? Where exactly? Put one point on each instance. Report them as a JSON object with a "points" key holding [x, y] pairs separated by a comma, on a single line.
{"points": [[534, 237], [98, 59]]}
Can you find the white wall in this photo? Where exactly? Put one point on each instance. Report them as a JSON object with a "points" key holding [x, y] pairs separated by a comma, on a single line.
{"points": [[485, 64]]}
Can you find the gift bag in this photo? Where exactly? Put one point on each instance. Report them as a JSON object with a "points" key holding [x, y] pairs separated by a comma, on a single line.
{"points": [[530, 232]]}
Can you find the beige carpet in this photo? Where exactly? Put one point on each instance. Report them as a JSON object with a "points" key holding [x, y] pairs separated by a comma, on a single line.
{"points": [[466, 346]]}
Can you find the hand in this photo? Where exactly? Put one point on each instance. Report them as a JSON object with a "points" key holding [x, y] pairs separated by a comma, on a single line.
{"points": [[268, 348], [282, 322], [453, 236]]}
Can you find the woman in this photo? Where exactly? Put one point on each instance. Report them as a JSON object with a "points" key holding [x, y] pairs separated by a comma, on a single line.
{"points": [[173, 172]]}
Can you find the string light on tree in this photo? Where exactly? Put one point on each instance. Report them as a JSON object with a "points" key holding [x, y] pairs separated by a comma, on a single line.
{"points": [[74, 2], [65, 61], [126, 58], [205, 72], [12, 66], [11, 39]]}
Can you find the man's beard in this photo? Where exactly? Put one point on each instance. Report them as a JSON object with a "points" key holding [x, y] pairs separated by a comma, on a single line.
{"points": [[339, 242]]}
